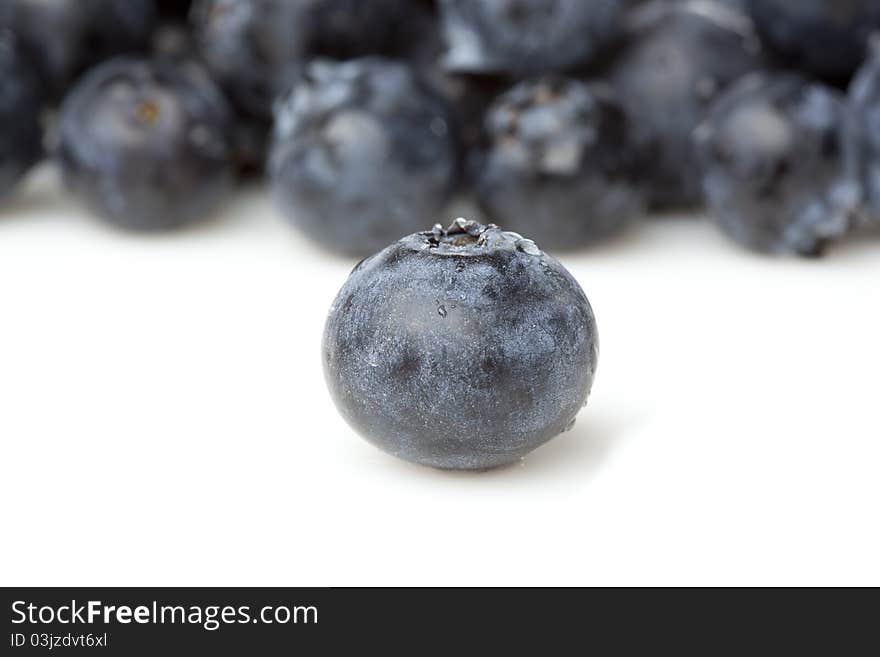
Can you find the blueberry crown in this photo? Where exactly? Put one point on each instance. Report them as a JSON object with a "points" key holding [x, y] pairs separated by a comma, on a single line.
{"points": [[467, 237]]}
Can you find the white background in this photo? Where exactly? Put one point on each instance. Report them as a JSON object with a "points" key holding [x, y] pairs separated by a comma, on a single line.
{"points": [[164, 420]]}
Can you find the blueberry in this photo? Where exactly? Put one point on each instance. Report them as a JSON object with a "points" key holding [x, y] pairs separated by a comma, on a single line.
{"points": [[527, 36], [144, 143], [676, 60], [772, 151], [823, 37], [558, 164], [864, 138], [248, 134], [463, 348], [257, 48], [71, 35], [735, 5], [361, 154], [468, 95], [21, 104]]}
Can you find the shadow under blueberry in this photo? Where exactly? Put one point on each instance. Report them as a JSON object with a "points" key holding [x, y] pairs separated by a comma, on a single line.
{"points": [[577, 453], [580, 450]]}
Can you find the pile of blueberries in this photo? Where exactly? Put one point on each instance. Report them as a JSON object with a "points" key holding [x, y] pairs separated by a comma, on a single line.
{"points": [[562, 119]]}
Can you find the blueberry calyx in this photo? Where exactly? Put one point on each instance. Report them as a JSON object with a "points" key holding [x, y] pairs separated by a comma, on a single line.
{"points": [[466, 237]]}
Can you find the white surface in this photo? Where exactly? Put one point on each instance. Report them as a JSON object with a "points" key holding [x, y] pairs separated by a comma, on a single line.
{"points": [[164, 420]]}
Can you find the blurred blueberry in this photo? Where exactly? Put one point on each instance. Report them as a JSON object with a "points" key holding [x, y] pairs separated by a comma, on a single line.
{"points": [[826, 38], [559, 165], [864, 138], [145, 143], [71, 35], [527, 36], [257, 48], [676, 60], [772, 152], [362, 153]]}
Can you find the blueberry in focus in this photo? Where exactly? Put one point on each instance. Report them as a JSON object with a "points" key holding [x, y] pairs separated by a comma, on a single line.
{"points": [[558, 164], [257, 48], [527, 36], [863, 155], [677, 58], [71, 35], [772, 152], [827, 38], [463, 348], [21, 105], [362, 153], [145, 144]]}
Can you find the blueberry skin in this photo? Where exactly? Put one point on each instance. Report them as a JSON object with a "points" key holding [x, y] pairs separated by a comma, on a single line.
{"points": [[145, 143], [361, 154], [71, 35], [559, 164], [344, 29], [521, 37], [863, 153], [174, 40], [21, 104], [772, 151], [254, 48], [460, 349], [676, 60], [249, 134], [467, 94], [826, 38], [258, 48]]}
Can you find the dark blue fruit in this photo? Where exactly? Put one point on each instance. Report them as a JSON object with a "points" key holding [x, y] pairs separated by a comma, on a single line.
{"points": [[527, 36], [677, 59], [559, 164], [464, 348], [254, 48], [145, 143], [71, 35], [772, 151], [361, 154], [21, 104], [823, 37], [257, 48], [249, 134], [344, 29], [864, 142], [468, 94], [174, 40]]}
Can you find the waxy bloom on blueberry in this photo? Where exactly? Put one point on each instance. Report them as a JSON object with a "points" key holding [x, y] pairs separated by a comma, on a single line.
{"points": [[464, 348]]}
